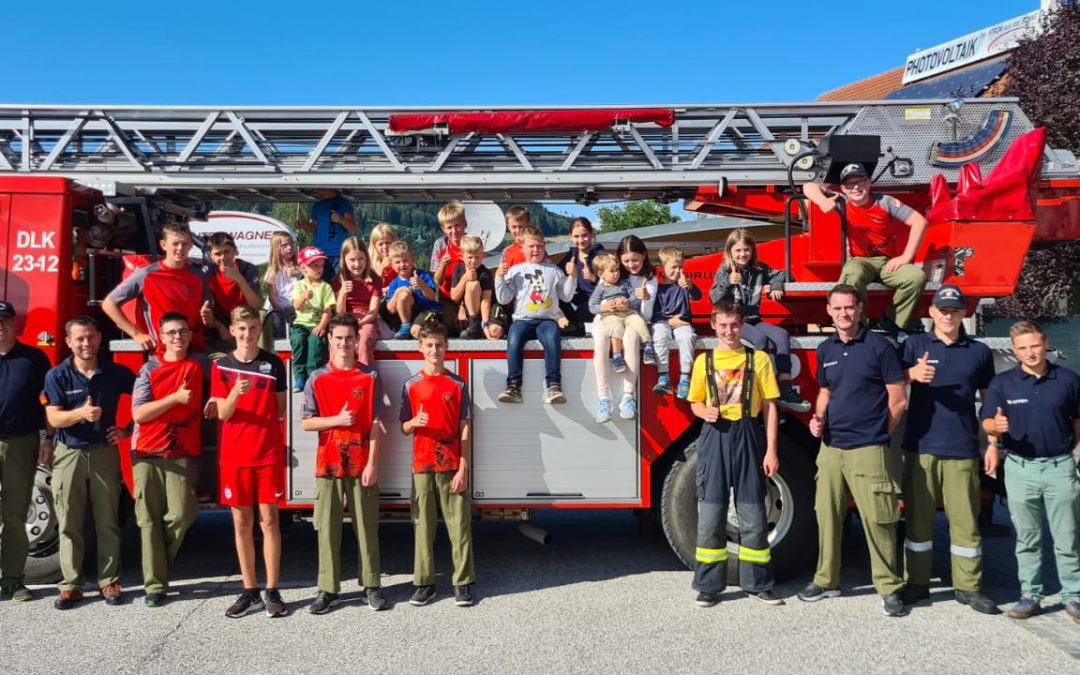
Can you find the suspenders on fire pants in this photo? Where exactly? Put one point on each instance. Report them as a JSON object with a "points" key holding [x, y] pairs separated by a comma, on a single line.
{"points": [[730, 456]]}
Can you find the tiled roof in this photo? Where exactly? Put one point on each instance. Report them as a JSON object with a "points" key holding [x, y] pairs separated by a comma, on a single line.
{"points": [[872, 88]]}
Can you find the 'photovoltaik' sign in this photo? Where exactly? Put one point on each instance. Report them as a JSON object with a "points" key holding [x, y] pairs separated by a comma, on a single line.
{"points": [[971, 48]]}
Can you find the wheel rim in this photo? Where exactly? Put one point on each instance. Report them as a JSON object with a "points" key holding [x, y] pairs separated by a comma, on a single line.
{"points": [[42, 527], [777, 518]]}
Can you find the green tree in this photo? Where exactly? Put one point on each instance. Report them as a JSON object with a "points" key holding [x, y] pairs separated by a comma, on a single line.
{"points": [[634, 215], [1044, 73]]}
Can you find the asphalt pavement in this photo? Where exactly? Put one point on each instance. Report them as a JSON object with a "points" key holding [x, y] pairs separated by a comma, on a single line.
{"points": [[601, 597]]}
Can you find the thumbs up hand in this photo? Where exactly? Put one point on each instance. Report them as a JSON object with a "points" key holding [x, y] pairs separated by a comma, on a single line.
{"points": [[1001, 422], [345, 418], [242, 386], [207, 314], [922, 371], [421, 419], [415, 279], [182, 396], [90, 412]]}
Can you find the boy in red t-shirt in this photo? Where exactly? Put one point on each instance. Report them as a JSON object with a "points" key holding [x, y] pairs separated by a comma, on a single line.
{"points": [[343, 401], [170, 284], [248, 388], [233, 283], [517, 219], [166, 406], [435, 409]]}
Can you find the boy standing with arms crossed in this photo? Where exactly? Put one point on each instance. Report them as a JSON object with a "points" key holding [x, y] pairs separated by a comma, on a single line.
{"points": [[248, 387], [343, 401], [435, 409], [166, 405]]}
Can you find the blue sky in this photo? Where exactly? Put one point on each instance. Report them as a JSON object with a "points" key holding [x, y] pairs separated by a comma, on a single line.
{"points": [[483, 53]]}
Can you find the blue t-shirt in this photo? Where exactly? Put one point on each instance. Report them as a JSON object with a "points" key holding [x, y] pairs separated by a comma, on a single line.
{"points": [[1040, 410], [329, 235], [855, 374], [422, 303], [67, 388], [941, 415], [22, 373]]}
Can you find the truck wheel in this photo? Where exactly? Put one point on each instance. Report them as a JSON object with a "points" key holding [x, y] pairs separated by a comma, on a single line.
{"points": [[790, 511], [43, 531]]}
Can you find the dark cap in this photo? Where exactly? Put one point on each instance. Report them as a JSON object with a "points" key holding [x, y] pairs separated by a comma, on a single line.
{"points": [[949, 297], [853, 170], [6, 310]]}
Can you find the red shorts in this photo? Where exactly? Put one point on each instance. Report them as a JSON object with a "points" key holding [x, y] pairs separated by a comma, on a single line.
{"points": [[248, 485]]}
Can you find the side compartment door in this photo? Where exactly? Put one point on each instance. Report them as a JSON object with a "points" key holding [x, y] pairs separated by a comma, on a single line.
{"points": [[395, 467], [533, 453]]}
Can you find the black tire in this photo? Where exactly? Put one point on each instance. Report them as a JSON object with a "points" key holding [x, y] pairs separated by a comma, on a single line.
{"points": [[792, 522]]}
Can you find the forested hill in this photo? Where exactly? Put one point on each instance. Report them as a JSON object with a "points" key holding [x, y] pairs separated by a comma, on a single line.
{"points": [[415, 222]]}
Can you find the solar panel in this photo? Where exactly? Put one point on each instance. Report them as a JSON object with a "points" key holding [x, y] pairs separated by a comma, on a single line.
{"points": [[967, 82]]}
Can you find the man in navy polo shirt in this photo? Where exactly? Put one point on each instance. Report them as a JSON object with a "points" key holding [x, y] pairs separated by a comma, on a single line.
{"points": [[22, 372], [861, 400], [81, 396], [941, 443], [1035, 410]]}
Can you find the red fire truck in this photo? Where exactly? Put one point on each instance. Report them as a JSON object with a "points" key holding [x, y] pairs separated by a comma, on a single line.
{"points": [[82, 187]]}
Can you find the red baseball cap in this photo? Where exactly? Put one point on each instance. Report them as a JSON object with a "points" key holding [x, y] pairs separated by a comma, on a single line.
{"points": [[310, 254]]}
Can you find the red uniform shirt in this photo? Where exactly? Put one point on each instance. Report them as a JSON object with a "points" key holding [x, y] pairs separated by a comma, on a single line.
{"points": [[442, 247], [343, 451], [872, 228], [437, 446], [177, 431], [226, 292], [252, 436], [161, 289], [513, 255], [358, 302]]}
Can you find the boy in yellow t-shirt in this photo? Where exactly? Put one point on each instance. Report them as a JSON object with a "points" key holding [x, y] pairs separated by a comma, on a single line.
{"points": [[730, 455]]}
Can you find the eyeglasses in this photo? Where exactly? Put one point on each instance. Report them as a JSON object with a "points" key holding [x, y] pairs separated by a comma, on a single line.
{"points": [[181, 333], [855, 184]]}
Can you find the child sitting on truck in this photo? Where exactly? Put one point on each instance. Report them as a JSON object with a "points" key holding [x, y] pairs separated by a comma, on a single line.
{"points": [[633, 258], [535, 286], [411, 295], [671, 321], [359, 293], [313, 300], [473, 289], [614, 302], [581, 255], [746, 280], [445, 255]]}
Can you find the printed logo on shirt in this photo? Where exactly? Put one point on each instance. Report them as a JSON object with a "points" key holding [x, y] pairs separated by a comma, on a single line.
{"points": [[1016, 401], [265, 367], [829, 364], [72, 392], [227, 492]]}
